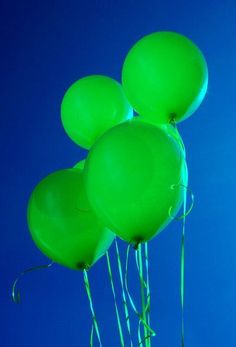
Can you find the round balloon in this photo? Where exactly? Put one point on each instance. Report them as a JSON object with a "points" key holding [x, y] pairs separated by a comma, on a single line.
{"points": [[62, 223], [134, 175], [168, 128], [165, 77], [91, 106]]}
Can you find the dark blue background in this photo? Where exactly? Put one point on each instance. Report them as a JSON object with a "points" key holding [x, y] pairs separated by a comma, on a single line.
{"points": [[47, 45]]}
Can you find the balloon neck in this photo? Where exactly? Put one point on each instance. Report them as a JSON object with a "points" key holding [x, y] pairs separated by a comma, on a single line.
{"points": [[83, 266], [136, 243], [173, 119]]}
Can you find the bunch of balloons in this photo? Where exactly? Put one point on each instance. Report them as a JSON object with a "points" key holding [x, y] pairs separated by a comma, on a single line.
{"points": [[133, 181]]}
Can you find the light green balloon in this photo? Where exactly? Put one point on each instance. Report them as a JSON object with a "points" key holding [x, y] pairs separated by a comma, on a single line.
{"points": [[62, 223], [80, 164], [134, 175], [91, 106], [171, 130], [165, 77]]}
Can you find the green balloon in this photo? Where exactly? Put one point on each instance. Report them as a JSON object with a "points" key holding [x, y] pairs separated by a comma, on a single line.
{"points": [[165, 77], [80, 164], [133, 176], [168, 128], [91, 106], [62, 223]]}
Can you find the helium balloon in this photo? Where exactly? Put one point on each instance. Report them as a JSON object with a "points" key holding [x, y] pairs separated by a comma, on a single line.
{"points": [[174, 133], [80, 165], [91, 106], [165, 77], [169, 128], [62, 223], [134, 175]]}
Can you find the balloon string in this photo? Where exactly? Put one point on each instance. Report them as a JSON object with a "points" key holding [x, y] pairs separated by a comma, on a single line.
{"points": [[174, 124], [140, 342], [140, 339], [186, 213], [147, 282], [88, 290], [146, 256], [144, 286], [15, 292], [150, 330], [91, 336], [115, 302], [182, 269], [123, 292]]}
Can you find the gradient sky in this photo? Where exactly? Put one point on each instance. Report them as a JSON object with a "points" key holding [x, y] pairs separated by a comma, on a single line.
{"points": [[47, 45]]}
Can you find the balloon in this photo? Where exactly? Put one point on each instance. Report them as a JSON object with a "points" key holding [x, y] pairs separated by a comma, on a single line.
{"points": [[80, 164], [165, 77], [91, 106], [62, 223], [169, 128], [133, 177]]}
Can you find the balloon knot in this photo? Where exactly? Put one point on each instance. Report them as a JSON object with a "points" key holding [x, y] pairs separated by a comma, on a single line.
{"points": [[82, 266], [136, 243], [173, 119]]}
